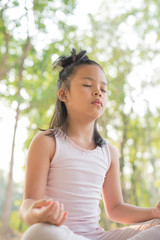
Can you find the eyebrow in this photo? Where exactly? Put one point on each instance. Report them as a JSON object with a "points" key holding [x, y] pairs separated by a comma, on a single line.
{"points": [[92, 79]]}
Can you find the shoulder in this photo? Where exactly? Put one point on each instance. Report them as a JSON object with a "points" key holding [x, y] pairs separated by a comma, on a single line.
{"points": [[43, 143], [43, 138], [114, 153]]}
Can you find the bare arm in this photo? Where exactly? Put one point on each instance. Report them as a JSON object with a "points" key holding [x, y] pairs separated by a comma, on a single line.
{"points": [[115, 207], [34, 207]]}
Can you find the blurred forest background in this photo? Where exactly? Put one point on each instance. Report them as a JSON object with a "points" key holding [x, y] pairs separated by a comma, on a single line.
{"points": [[124, 37]]}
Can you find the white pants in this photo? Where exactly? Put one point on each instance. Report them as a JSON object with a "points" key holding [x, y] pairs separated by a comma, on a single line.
{"points": [[44, 231], [149, 230]]}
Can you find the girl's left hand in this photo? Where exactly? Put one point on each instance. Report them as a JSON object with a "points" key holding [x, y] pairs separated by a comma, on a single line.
{"points": [[156, 211]]}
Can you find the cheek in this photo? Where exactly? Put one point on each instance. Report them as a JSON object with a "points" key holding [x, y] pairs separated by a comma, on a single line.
{"points": [[105, 101]]}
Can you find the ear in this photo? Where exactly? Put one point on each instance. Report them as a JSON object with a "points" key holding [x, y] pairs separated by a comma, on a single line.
{"points": [[62, 95]]}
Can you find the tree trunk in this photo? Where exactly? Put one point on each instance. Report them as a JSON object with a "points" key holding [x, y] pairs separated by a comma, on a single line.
{"points": [[9, 190], [122, 146], [8, 198], [134, 177], [151, 155]]}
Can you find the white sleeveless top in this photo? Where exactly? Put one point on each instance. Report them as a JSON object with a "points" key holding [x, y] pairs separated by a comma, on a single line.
{"points": [[75, 178]]}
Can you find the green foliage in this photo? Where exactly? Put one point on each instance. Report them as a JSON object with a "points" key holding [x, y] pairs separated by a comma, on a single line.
{"points": [[17, 192], [16, 222], [109, 41], [2, 189], [134, 135]]}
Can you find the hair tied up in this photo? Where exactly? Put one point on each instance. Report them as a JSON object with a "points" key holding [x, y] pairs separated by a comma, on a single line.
{"points": [[73, 53], [81, 55], [74, 58]]}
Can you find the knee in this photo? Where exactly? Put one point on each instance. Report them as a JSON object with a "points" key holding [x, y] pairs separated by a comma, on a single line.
{"points": [[148, 234], [42, 231], [155, 222]]}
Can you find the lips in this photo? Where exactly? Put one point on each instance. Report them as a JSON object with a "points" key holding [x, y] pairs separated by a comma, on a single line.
{"points": [[97, 102]]}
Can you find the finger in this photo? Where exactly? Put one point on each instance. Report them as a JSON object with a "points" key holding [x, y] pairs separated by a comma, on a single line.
{"points": [[51, 210], [43, 214], [51, 213], [64, 216], [54, 213], [62, 207], [56, 210], [60, 213], [40, 203], [61, 210], [47, 209]]}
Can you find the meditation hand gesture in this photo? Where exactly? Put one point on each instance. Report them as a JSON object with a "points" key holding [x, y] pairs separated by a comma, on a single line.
{"points": [[156, 211], [48, 211]]}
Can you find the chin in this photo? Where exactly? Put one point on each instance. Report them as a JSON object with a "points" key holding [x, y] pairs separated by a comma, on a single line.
{"points": [[94, 117]]}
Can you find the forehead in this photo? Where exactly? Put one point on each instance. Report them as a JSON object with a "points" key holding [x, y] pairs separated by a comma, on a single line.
{"points": [[90, 72]]}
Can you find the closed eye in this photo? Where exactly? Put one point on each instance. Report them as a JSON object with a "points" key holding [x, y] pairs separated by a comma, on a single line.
{"points": [[87, 85], [103, 90]]}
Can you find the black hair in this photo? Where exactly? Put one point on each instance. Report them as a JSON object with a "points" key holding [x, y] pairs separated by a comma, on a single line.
{"points": [[69, 66]]}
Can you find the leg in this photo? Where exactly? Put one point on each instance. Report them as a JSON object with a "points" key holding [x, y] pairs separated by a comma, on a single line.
{"points": [[44, 231], [149, 230], [152, 233]]}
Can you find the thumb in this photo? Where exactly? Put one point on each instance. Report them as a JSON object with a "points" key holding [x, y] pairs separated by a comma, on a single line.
{"points": [[158, 205], [40, 203]]}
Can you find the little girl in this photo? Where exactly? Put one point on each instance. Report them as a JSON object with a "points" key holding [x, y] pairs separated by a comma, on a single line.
{"points": [[70, 165]]}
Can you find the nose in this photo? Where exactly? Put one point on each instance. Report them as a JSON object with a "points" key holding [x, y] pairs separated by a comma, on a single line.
{"points": [[97, 93]]}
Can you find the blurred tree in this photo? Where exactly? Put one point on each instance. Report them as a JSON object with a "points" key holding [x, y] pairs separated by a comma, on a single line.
{"points": [[16, 196], [2, 189], [24, 63], [123, 37]]}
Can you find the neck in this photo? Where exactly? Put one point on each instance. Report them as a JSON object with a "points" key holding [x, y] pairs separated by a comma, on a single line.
{"points": [[81, 132], [80, 129]]}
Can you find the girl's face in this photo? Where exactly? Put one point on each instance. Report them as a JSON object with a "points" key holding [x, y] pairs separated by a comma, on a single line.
{"points": [[87, 96]]}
